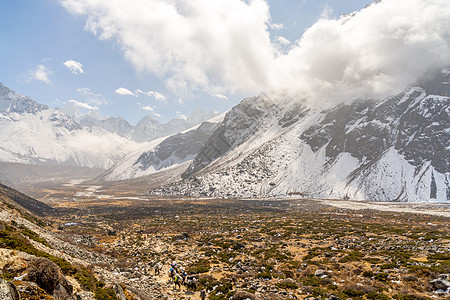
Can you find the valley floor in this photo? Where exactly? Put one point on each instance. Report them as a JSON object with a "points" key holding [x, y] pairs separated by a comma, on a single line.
{"points": [[248, 248], [272, 249]]}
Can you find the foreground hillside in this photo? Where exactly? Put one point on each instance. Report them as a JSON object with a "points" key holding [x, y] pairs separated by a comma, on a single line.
{"points": [[36, 263]]}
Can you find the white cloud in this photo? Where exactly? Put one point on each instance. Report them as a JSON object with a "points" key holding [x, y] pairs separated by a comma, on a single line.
{"points": [[74, 67], [225, 45], [157, 115], [220, 96], [372, 53], [147, 108], [181, 116], [40, 73], [276, 26], [156, 95], [282, 41], [83, 105], [124, 92], [91, 97], [192, 44]]}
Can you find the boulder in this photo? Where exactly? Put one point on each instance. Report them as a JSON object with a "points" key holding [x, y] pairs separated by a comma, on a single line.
{"points": [[119, 292], [85, 296], [321, 273], [63, 292], [8, 291], [30, 290], [241, 295], [442, 283], [49, 277]]}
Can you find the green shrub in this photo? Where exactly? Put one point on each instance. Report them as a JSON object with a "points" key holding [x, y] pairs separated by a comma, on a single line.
{"points": [[287, 284], [201, 266], [264, 275], [368, 274], [104, 293], [381, 277], [439, 256]]}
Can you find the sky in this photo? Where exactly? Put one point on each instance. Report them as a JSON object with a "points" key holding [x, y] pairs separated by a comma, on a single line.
{"points": [[168, 57]]}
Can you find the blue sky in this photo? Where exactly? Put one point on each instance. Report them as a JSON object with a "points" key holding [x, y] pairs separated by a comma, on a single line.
{"points": [[42, 35]]}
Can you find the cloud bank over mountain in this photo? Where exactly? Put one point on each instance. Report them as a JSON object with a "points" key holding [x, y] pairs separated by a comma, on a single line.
{"points": [[225, 45]]}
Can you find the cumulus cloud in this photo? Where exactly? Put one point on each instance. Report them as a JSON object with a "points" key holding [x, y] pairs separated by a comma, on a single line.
{"points": [[192, 44], [225, 45], [83, 105], [40, 73], [124, 92], [74, 66], [372, 53]]}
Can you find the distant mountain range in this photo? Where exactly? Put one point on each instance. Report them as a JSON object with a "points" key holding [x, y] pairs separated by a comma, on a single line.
{"points": [[147, 129], [33, 133]]}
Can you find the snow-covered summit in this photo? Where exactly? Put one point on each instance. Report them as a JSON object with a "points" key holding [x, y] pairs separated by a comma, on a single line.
{"points": [[392, 149], [32, 133], [13, 102]]}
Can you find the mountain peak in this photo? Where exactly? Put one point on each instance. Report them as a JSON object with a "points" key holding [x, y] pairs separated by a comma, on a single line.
{"points": [[13, 102], [198, 116]]}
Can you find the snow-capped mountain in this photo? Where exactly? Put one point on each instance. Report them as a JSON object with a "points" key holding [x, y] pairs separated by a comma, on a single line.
{"points": [[31, 133], [146, 130], [12, 102], [163, 153], [393, 149]]}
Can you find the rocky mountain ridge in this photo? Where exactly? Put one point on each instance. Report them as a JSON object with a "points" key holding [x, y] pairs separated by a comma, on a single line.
{"points": [[163, 153], [33, 133], [146, 130], [394, 149]]}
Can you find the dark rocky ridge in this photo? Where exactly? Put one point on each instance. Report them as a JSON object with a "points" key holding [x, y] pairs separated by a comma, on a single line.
{"points": [[12, 196]]}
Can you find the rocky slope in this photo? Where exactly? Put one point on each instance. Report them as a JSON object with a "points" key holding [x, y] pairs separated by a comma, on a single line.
{"points": [[37, 263], [162, 153], [392, 149], [13, 102]]}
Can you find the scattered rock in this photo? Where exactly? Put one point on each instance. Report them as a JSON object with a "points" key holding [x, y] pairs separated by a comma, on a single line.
{"points": [[85, 296], [238, 246], [30, 290], [442, 283], [119, 292], [321, 273], [8, 291], [241, 295]]}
